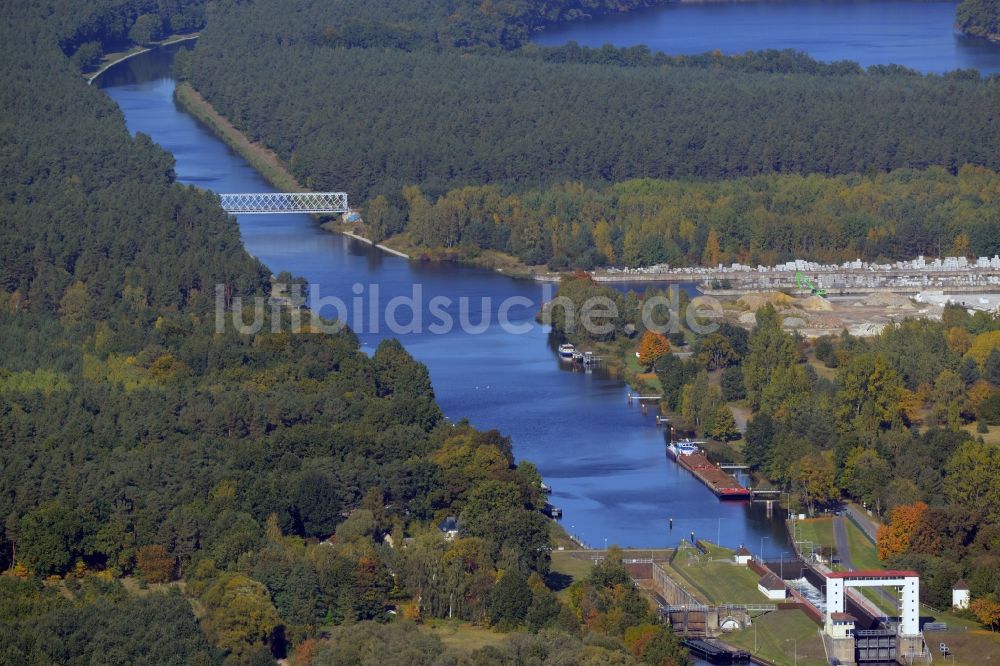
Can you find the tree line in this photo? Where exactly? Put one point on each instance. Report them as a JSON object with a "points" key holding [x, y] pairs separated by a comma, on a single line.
{"points": [[372, 120], [761, 220]]}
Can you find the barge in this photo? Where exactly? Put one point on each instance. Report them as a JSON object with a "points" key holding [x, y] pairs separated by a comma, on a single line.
{"points": [[720, 482]]}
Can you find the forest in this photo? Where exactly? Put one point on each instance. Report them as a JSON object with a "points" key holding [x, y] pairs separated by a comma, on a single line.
{"points": [[761, 220], [378, 120], [174, 494], [170, 494], [895, 422], [87, 30], [980, 18]]}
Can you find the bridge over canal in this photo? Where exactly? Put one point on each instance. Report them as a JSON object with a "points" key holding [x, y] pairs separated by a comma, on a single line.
{"points": [[260, 203]]}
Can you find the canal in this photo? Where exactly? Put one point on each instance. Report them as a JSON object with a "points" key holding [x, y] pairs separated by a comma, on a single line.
{"points": [[605, 461]]}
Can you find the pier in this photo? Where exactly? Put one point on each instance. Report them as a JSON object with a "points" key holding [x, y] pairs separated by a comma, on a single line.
{"points": [[642, 398]]}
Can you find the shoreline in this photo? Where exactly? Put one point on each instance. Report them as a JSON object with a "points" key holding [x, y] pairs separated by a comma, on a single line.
{"points": [[361, 238], [263, 160], [169, 41]]}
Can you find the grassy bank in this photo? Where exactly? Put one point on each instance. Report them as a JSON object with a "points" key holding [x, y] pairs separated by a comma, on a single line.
{"points": [[261, 158], [863, 552], [716, 577], [818, 531], [782, 637]]}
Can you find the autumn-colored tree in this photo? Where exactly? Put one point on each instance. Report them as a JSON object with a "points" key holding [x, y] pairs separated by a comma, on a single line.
{"points": [[652, 347], [713, 252], [155, 565], [636, 638], [959, 340], [978, 393], [74, 304], [961, 246], [240, 617], [304, 653], [982, 345], [894, 538], [987, 611]]}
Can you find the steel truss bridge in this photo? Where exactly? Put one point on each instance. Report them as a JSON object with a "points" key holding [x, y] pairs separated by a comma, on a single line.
{"points": [[260, 203]]}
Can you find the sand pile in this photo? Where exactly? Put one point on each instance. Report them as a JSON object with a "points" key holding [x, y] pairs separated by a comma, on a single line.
{"points": [[866, 330], [815, 304], [756, 301]]}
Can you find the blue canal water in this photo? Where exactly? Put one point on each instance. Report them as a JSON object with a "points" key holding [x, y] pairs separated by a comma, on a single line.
{"points": [[605, 461], [918, 35]]}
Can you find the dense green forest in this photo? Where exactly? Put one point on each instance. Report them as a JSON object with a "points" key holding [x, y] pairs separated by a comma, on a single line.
{"points": [[174, 494], [893, 422], [765, 219], [372, 120], [980, 18], [88, 29]]}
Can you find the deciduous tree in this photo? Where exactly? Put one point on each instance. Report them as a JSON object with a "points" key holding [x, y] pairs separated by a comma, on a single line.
{"points": [[652, 346]]}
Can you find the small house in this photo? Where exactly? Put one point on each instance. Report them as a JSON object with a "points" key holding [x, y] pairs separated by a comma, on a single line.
{"points": [[960, 595], [742, 556], [772, 587], [840, 625], [449, 527]]}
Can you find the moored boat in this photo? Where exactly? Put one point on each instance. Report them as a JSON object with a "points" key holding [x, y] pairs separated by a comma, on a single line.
{"points": [[690, 456], [685, 447], [566, 350], [552, 511]]}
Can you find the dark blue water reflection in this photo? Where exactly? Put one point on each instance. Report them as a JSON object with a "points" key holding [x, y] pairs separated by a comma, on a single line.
{"points": [[919, 35]]}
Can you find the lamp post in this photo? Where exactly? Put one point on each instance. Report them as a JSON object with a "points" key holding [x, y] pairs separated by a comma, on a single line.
{"points": [[781, 566], [795, 648], [762, 550]]}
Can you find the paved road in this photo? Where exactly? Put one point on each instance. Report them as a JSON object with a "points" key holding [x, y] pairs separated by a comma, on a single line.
{"points": [[840, 541], [862, 518], [844, 551]]}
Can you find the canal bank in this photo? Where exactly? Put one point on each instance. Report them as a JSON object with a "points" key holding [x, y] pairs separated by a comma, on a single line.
{"points": [[607, 464]]}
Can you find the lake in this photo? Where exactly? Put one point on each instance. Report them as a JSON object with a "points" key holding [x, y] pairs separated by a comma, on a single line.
{"points": [[918, 35]]}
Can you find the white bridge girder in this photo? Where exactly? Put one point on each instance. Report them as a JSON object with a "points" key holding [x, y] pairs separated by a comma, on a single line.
{"points": [[284, 202]]}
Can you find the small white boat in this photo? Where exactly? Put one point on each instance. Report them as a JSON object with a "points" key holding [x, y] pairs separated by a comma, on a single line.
{"points": [[566, 350]]}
